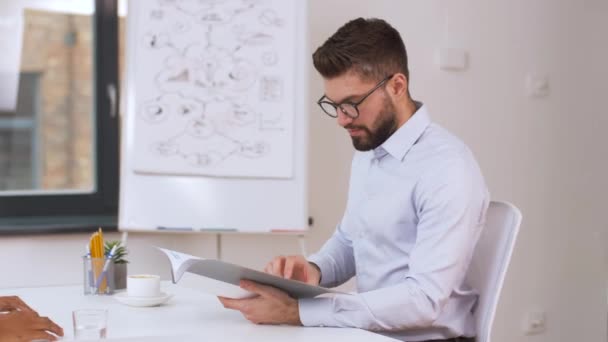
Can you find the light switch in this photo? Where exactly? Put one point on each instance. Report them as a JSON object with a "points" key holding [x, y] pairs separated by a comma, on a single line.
{"points": [[453, 59]]}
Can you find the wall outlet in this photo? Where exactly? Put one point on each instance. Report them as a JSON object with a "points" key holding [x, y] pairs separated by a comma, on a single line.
{"points": [[535, 322], [537, 85]]}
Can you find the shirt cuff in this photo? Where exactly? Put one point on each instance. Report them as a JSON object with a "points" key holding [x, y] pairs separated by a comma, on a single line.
{"points": [[328, 277], [317, 312]]}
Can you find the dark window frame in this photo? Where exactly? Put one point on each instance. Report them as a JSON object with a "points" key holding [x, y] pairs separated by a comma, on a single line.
{"points": [[55, 213]]}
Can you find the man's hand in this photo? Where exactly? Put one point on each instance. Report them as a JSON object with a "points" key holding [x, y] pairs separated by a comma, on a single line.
{"points": [[294, 267], [271, 306], [13, 303], [27, 326]]}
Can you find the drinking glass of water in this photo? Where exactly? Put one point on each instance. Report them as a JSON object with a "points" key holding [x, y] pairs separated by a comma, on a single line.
{"points": [[90, 324]]}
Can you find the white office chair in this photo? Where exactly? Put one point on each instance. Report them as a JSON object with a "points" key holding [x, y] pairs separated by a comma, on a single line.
{"points": [[490, 262]]}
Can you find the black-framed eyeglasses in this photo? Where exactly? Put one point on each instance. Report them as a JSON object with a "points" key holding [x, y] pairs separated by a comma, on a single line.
{"points": [[349, 108]]}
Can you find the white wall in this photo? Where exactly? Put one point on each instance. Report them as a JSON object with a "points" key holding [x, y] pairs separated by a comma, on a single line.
{"points": [[545, 155]]}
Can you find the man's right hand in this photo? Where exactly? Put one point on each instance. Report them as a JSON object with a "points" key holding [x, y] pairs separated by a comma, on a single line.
{"points": [[294, 267]]}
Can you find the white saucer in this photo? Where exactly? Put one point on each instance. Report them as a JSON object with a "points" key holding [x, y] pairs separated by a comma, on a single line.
{"points": [[142, 301]]}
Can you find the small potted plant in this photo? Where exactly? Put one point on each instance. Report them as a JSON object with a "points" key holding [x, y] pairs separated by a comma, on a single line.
{"points": [[120, 264]]}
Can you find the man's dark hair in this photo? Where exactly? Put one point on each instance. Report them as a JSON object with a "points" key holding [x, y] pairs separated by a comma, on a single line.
{"points": [[372, 48]]}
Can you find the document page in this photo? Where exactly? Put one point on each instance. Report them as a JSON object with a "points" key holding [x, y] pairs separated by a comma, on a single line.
{"points": [[222, 279]]}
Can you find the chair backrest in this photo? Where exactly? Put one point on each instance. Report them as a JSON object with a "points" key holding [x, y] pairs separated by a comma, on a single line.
{"points": [[490, 262]]}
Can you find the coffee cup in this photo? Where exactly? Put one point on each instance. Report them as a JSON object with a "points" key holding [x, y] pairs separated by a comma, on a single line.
{"points": [[143, 285]]}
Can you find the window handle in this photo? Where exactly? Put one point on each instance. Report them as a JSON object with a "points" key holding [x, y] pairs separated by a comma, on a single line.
{"points": [[111, 89]]}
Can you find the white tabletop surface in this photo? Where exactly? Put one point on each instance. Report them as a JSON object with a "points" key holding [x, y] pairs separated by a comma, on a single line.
{"points": [[188, 316]]}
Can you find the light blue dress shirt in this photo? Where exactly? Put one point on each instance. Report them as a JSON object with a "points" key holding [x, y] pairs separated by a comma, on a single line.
{"points": [[416, 207]]}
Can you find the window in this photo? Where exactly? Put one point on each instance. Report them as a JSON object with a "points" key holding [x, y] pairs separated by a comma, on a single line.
{"points": [[59, 129], [19, 167]]}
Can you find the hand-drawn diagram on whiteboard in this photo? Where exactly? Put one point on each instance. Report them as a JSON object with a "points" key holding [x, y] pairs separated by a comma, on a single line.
{"points": [[214, 84]]}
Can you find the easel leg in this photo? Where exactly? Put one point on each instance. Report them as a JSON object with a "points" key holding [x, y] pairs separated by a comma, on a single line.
{"points": [[218, 246], [123, 239], [302, 243]]}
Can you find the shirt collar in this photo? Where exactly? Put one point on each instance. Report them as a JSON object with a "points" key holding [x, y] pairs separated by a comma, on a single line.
{"points": [[400, 142]]}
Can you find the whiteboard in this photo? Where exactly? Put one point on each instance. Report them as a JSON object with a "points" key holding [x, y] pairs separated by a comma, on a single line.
{"points": [[214, 132]]}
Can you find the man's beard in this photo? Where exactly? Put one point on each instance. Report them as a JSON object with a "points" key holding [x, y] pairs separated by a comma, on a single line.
{"points": [[382, 129]]}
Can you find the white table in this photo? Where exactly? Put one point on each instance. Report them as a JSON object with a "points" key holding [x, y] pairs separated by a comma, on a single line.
{"points": [[188, 316]]}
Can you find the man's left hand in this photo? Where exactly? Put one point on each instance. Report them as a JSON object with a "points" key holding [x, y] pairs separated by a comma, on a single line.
{"points": [[270, 306]]}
